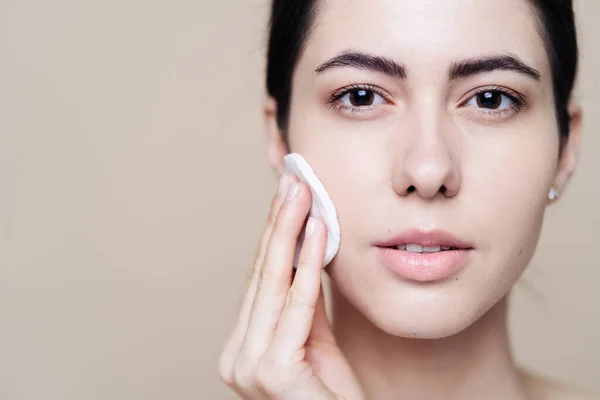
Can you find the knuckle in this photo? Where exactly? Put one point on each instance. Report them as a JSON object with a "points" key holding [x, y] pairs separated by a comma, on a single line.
{"points": [[226, 362], [266, 279], [262, 245], [281, 222], [276, 223], [306, 264], [242, 373], [225, 370], [272, 217], [271, 278], [297, 298], [267, 376], [256, 267]]}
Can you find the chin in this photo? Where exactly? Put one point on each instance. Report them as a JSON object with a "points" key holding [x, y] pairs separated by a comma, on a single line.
{"points": [[422, 324]]}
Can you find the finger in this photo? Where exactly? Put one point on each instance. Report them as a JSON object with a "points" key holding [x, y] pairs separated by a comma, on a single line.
{"points": [[299, 312], [284, 184], [237, 334], [275, 275], [321, 332]]}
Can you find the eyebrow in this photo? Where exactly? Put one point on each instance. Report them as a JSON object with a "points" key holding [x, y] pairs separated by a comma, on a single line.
{"points": [[460, 70], [468, 68], [364, 61]]}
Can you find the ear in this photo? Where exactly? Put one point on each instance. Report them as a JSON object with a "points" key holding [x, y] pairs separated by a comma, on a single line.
{"points": [[570, 149], [276, 146]]}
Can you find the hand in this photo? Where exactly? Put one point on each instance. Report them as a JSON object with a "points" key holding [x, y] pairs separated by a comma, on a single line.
{"points": [[282, 346]]}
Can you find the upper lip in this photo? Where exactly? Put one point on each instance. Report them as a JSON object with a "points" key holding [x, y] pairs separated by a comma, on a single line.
{"points": [[429, 238]]}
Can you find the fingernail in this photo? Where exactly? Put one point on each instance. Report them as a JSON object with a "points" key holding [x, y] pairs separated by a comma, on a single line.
{"points": [[310, 227], [293, 192], [284, 184]]}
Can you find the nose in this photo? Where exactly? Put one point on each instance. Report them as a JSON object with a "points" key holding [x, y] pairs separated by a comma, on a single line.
{"points": [[428, 162]]}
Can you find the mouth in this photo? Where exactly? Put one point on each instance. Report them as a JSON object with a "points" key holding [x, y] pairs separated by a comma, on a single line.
{"points": [[416, 241], [425, 256], [418, 248]]}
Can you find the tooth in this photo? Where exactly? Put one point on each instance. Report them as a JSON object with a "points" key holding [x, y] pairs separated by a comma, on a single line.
{"points": [[414, 248], [446, 247], [432, 249], [401, 247]]}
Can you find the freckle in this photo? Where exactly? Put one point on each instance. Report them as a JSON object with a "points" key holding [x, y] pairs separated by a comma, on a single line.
{"points": [[389, 230], [456, 279]]}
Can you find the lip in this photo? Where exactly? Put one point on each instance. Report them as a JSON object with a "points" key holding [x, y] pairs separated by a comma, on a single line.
{"points": [[425, 267], [431, 238]]}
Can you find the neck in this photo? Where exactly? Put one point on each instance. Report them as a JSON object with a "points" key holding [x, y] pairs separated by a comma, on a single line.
{"points": [[473, 364]]}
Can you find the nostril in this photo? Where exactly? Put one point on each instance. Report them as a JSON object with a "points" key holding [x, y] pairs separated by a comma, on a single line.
{"points": [[443, 189], [411, 189]]}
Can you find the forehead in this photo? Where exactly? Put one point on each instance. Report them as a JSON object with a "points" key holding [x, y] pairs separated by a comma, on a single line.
{"points": [[421, 31]]}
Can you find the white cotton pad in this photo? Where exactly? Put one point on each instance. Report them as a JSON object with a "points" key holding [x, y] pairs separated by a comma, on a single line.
{"points": [[322, 207]]}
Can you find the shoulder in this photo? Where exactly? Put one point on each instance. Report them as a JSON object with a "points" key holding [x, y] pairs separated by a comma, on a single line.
{"points": [[543, 388]]}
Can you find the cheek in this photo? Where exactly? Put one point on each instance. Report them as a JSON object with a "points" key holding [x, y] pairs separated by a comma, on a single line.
{"points": [[350, 159], [352, 170], [506, 186]]}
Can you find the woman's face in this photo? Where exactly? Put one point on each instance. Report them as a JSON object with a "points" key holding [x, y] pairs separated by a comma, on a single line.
{"points": [[458, 134]]}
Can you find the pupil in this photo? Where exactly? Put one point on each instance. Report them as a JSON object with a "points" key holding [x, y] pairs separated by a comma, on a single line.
{"points": [[361, 97], [491, 100]]}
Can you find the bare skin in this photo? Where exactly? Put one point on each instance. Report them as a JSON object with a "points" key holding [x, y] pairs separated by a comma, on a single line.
{"points": [[426, 128]]}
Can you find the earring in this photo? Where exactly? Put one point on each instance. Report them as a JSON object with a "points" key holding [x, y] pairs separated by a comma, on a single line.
{"points": [[554, 193]]}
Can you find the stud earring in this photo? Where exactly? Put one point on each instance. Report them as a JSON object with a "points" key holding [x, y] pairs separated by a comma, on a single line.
{"points": [[554, 193]]}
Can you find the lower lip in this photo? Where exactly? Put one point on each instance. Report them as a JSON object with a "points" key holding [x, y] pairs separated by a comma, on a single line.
{"points": [[424, 267]]}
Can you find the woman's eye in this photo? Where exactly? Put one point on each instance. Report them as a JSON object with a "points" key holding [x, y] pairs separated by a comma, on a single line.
{"points": [[361, 98], [492, 100]]}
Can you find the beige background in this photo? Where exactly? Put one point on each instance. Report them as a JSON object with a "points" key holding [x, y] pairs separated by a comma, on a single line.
{"points": [[134, 187]]}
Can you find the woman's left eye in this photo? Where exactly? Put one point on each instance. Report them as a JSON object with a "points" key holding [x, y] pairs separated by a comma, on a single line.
{"points": [[494, 101]]}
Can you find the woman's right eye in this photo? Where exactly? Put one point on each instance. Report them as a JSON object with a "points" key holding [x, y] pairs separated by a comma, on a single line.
{"points": [[360, 102]]}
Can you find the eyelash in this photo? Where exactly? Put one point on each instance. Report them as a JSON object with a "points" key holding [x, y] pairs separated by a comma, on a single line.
{"points": [[518, 101], [333, 101]]}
